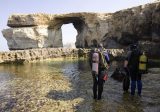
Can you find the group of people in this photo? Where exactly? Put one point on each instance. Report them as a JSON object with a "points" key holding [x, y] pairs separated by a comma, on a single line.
{"points": [[135, 65]]}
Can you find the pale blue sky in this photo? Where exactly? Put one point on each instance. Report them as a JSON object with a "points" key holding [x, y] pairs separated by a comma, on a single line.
{"points": [[8, 7]]}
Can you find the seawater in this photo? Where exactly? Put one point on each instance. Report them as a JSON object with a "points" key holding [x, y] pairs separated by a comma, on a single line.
{"points": [[66, 86]]}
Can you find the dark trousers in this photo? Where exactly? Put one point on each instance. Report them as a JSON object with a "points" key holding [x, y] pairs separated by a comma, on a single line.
{"points": [[135, 81], [133, 86], [97, 84]]}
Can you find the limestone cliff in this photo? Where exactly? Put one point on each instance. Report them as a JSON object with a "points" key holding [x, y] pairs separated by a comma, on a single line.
{"points": [[116, 30]]}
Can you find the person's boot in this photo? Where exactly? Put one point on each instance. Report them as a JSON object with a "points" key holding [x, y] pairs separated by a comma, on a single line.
{"points": [[133, 87], [139, 84], [99, 97], [95, 97]]}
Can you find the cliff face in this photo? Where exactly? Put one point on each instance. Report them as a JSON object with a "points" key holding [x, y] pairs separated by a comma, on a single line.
{"points": [[117, 30], [43, 30], [136, 25]]}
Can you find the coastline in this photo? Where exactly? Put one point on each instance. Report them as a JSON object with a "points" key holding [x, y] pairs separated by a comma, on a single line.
{"points": [[32, 55]]}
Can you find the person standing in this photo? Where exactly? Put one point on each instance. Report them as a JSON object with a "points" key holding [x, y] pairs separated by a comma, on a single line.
{"points": [[132, 63], [99, 62]]}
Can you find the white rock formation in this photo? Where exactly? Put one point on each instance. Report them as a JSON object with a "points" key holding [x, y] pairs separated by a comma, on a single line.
{"points": [[27, 37]]}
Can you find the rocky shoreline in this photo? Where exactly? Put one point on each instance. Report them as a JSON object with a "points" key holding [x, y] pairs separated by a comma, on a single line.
{"points": [[30, 55]]}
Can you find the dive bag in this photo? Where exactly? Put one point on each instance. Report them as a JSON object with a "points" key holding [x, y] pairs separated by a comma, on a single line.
{"points": [[126, 83], [126, 80]]}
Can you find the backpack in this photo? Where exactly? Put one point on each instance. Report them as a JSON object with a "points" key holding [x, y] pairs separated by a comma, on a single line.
{"points": [[133, 61]]}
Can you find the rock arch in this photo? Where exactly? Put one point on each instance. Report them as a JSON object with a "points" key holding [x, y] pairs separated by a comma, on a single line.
{"points": [[79, 25], [44, 30]]}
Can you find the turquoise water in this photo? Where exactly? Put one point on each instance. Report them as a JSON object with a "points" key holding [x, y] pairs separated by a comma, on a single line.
{"points": [[66, 86]]}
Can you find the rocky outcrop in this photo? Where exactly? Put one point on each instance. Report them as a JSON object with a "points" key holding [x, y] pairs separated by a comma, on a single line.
{"points": [[115, 30], [136, 25], [23, 56], [25, 38], [25, 27]]}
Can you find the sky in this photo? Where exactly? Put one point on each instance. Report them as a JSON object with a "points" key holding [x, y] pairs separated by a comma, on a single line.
{"points": [[9, 7]]}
